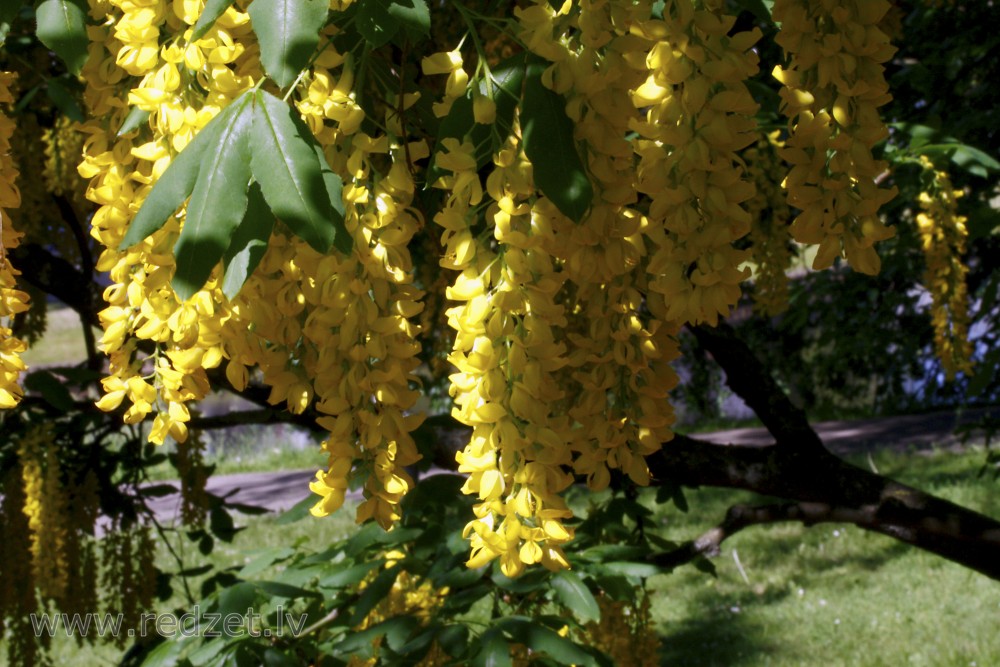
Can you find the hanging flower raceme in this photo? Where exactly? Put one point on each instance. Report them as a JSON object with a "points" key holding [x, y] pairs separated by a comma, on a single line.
{"points": [[833, 84], [617, 376], [943, 234], [12, 300], [699, 114], [506, 354], [45, 508], [366, 366], [182, 87]]}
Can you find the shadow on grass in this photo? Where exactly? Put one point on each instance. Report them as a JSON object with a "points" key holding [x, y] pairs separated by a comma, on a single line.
{"points": [[724, 626], [715, 639]]}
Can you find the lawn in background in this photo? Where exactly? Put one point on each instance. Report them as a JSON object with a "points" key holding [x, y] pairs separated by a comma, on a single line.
{"points": [[832, 594], [62, 344]]}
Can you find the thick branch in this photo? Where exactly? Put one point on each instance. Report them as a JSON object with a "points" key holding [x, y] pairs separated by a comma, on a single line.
{"points": [[825, 488], [750, 380], [55, 276], [743, 516]]}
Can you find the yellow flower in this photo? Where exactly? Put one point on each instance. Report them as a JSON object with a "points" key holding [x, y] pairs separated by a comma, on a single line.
{"points": [[12, 300], [832, 88], [943, 234]]}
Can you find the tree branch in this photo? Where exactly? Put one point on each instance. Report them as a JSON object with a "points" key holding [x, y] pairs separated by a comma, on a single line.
{"points": [[55, 276], [825, 488], [261, 416], [739, 517], [750, 380], [72, 221]]}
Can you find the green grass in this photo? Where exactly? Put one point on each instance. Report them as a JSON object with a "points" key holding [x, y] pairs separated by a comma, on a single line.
{"points": [[832, 594], [253, 449], [62, 344]]}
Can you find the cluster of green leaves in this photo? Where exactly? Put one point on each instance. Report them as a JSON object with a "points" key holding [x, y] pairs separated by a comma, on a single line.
{"points": [[479, 620], [516, 84], [254, 161]]}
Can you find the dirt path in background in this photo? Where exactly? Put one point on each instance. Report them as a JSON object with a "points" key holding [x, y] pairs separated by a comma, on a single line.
{"points": [[279, 491], [927, 432]]}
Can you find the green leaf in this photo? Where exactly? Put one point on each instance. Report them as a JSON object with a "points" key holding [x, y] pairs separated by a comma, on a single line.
{"points": [[360, 644], [633, 570], [275, 658], [299, 510], [290, 172], [209, 15], [608, 552], [985, 371], [213, 652], [380, 20], [414, 16], [221, 523], [974, 161], [266, 559], [573, 594], [288, 32], [375, 23], [348, 576], [495, 651], [399, 630], [62, 26], [135, 118], [342, 240], [218, 203], [52, 389], [373, 594], [237, 599], [167, 654], [920, 135], [540, 639], [278, 589], [454, 639], [64, 100], [529, 582], [549, 144], [616, 586], [177, 182], [505, 91], [247, 247]]}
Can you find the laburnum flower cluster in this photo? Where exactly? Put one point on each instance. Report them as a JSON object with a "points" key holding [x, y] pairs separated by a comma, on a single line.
{"points": [[942, 235], [833, 84], [12, 300], [327, 331], [48, 555], [700, 114]]}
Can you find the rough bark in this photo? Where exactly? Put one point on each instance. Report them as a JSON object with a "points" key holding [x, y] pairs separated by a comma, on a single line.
{"points": [[823, 488]]}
